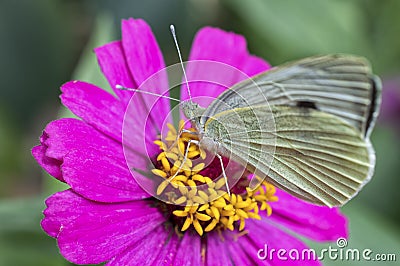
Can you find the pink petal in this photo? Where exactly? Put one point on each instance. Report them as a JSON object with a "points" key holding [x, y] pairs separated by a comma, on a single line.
{"points": [[254, 65], [90, 232], [100, 176], [217, 45], [141, 127], [66, 134], [263, 235], [95, 106], [144, 58], [142, 53], [62, 208], [105, 113], [241, 249], [93, 164], [239, 253], [168, 252], [161, 244], [316, 222], [50, 165], [189, 250], [113, 64], [217, 251]]}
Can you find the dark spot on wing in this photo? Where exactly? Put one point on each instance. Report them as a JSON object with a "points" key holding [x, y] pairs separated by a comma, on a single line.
{"points": [[306, 104]]}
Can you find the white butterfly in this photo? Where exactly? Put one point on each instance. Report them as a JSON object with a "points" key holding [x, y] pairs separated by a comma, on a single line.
{"points": [[305, 126]]}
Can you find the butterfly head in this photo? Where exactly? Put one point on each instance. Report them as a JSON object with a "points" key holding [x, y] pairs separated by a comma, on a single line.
{"points": [[192, 110]]}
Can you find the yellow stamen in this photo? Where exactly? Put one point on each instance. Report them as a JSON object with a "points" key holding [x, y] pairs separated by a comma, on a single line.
{"points": [[202, 216], [198, 227], [171, 128], [198, 167], [180, 200], [199, 178], [186, 224], [162, 186], [160, 156], [171, 156], [200, 201], [165, 164], [181, 146], [204, 207], [180, 213], [159, 172], [215, 211], [211, 225], [220, 183]]}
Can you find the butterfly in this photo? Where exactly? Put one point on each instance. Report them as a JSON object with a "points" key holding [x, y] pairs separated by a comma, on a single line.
{"points": [[304, 126]]}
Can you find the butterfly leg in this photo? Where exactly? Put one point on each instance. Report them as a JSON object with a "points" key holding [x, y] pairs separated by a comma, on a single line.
{"points": [[223, 173], [184, 158]]}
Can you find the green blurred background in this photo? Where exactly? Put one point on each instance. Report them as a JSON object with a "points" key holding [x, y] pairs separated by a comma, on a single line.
{"points": [[45, 43]]}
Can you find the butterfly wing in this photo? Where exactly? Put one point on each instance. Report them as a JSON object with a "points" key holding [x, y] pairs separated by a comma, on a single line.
{"points": [[342, 85], [311, 154]]}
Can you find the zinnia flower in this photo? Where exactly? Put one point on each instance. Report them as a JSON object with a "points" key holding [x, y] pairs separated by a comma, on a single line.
{"points": [[106, 216]]}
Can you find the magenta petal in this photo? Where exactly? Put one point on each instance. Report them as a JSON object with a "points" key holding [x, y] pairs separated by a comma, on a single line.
{"points": [[241, 254], [189, 250], [100, 177], [142, 53], [217, 45], [66, 134], [217, 251], [93, 164], [254, 65], [99, 232], [263, 235], [160, 243], [316, 222], [112, 62], [50, 165], [144, 59], [95, 106], [62, 208], [168, 250]]}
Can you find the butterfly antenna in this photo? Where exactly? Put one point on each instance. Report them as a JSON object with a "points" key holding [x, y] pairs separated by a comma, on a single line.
{"points": [[172, 28], [145, 92]]}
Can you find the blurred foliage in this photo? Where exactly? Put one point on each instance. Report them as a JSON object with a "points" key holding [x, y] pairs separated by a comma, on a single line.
{"points": [[22, 242], [40, 44], [47, 42]]}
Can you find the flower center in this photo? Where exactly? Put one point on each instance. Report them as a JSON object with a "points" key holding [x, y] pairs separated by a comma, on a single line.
{"points": [[195, 196]]}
